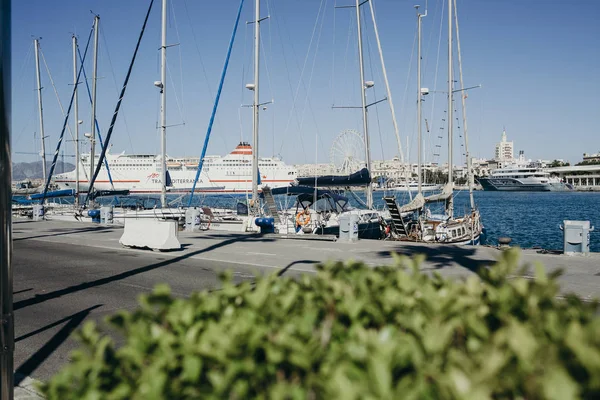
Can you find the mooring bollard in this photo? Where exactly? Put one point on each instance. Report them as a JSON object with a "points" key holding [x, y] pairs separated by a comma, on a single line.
{"points": [[504, 242]]}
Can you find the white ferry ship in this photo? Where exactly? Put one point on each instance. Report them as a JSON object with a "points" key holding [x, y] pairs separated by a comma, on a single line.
{"points": [[525, 179], [140, 173]]}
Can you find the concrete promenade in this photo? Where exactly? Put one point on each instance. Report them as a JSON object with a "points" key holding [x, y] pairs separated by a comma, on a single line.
{"points": [[69, 272]]}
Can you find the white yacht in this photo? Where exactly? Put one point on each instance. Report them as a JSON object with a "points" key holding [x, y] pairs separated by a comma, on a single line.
{"points": [[413, 186], [525, 179]]}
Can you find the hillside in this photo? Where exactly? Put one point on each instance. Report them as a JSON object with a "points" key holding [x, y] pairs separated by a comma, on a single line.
{"points": [[33, 170]]}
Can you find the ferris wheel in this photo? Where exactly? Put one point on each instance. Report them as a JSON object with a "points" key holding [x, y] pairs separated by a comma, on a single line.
{"points": [[347, 152]]}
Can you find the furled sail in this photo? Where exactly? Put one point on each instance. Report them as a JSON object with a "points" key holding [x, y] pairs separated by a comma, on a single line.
{"points": [[446, 193], [416, 204]]}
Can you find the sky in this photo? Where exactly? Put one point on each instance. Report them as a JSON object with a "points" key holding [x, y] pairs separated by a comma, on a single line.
{"points": [[537, 61]]}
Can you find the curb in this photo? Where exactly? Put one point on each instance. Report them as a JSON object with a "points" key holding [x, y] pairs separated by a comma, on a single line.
{"points": [[27, 390]]}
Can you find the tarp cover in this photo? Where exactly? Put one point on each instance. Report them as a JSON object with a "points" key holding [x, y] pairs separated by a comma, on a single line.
{"points": [[360, 178], [54, 193], [305, 190], [103, 193]]}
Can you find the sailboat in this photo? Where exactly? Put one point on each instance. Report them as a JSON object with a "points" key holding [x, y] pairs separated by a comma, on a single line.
{"points": [[165, 211], [414, 221], [320, 203], [99, 163]]}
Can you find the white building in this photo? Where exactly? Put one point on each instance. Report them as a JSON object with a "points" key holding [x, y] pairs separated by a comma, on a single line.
{"points": [[305, 170], [589, 158], [504, 150]]}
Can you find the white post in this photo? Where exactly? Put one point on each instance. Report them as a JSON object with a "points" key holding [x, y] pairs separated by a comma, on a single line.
{"points": [[450, 201], [369, 193], [94, 79], [255, 105], [163, 107], [76, 116], [36, 44]]}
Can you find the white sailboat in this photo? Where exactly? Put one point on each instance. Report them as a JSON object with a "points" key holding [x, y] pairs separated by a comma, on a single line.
{"points": [[414, 221], [158, 163], [165, 211], [319, 206]]}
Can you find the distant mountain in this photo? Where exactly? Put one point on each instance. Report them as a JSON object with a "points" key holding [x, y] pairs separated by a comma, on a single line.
{"points": [[33, 170]]}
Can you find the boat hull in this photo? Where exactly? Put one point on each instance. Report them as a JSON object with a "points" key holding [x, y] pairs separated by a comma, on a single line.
{"points": [[366, 230]]}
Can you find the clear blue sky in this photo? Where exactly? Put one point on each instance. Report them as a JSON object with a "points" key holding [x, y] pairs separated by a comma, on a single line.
{"points": [[538, 62]]}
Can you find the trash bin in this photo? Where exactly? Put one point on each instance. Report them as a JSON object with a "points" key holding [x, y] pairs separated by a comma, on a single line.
{"points": [[192, 219], [106, 215], [38, 212], [576, 237], [348, 228]]}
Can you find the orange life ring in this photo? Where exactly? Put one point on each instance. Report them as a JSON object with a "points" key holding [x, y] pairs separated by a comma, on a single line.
{"points": [[303, 218]]}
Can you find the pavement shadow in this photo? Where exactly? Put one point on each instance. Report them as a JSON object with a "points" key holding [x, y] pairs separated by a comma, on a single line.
{"points": [[290, 265], [442, 256], [67, 231], [225, 235], [53, 324], [36, 359], [123, 275]]}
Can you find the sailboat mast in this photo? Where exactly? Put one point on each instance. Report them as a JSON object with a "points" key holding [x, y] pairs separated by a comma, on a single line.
{"points": [[163, 107], [94, 81], [464, 115], [363, 88], [76, 117], [387, 84], [255, 105], [419, 101], [450, 201], [36, 44]]}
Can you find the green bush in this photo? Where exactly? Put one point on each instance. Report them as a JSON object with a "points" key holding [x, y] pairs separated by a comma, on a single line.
{"points": [[347, 332]]}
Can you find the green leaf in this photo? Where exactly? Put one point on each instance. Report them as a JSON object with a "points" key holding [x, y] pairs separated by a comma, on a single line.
{"points": [[558, 385], [192, 366]]}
